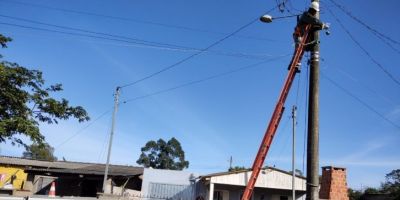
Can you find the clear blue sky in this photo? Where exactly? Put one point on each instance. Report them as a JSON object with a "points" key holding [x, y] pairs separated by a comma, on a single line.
{"points": [[222, 117]]}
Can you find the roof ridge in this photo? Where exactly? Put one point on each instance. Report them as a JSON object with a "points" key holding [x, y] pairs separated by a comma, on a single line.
{"points": [[247, 170], [60, 161]]}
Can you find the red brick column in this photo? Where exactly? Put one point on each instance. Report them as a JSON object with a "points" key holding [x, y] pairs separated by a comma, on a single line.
{"points": [[333, 184]]}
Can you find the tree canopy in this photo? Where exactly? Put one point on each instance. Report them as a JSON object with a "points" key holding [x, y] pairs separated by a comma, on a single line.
{"points": [[390, 187], [39, 152], [392, 184], [297, 172], [163, 155], [237, 168], [354, 194], [25, 101], [4, 40]]}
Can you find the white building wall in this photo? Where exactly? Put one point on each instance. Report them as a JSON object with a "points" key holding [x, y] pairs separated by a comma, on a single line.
{"points": [[166, 180], [267, 179]]}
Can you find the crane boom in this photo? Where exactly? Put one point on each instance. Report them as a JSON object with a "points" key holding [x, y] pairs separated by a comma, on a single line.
{"points": [[275, 119]]}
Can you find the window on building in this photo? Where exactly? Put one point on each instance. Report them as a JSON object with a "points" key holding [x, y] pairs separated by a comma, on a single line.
{"points": [[241, 195], [284, 198], [218, 195]]}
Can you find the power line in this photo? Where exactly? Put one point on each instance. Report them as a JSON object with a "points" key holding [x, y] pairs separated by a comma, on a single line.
{"points": [[129, 19], [369, 107], [82, 129], [364, 50], [280, 5], [195, 54], [306, 3], [104, 144], [102, 148], [77, 34], [77, 133], [298, 89], [355, 80], [88, 31], [361, 84], [119, 38], [286, 140], [100, 15], [199, 80], [341, 7], [294, 8], [305, 121], [385, 39]]}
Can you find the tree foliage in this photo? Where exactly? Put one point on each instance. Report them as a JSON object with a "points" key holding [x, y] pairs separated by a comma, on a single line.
{"points": [[237, 168], [390, 187], [392, 184], [297, 172], [371, 190], [25, 101], [4, 40], [40, 152], [163, 155], [354, 194]]}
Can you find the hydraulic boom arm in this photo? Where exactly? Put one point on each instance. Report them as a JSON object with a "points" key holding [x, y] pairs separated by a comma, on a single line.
{"points": [[275, 119]]}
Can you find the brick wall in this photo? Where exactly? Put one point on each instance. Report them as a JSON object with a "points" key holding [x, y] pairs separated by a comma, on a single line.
{"points": [[333, 184]]}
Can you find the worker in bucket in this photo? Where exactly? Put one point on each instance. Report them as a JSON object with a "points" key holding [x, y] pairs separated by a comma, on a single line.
{"points": [[307, 18]]}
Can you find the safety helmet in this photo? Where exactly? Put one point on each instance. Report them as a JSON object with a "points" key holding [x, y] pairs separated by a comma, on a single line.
{"points": [[315, 6]]}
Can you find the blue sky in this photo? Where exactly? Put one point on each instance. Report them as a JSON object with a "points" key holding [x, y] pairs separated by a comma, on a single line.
{"points": [[221, 117]]}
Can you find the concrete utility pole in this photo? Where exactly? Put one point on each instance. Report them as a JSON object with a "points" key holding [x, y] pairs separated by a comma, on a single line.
{"points": [[230, 162], [313, 123], [116, 97], [293, 152]]}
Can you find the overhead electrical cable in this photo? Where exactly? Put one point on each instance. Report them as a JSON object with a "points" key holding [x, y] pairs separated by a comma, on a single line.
{"points": [[193, 55], [341, 7], [104, 143], [215, 76], [82, 129], [165, 91], [385, 39], [394, 79], [283, 140], [128, 19], [305, 137], [80, 34], [374, 92], [88, 31], [119, 38], [286, 139], [155, 93], [366, 105]]}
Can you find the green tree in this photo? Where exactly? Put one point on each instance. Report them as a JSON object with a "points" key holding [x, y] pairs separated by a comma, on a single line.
{"points": [[297, 172], [392, 184], [40, 152], [4, 40], [163, 155], [25, 102], [354, 194], [237, 168], [371, 190]]}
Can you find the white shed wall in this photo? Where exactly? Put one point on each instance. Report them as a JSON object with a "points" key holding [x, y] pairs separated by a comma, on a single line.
{"points": [[267, 179]]}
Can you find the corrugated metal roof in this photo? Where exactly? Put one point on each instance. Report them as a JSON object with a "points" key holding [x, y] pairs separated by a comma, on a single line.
{"points": [[8, 160], [70, 167], [247, 170], [128, 171]]}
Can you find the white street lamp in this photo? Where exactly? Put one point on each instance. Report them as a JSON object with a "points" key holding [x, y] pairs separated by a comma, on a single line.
{"points": [[266, 18]]}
